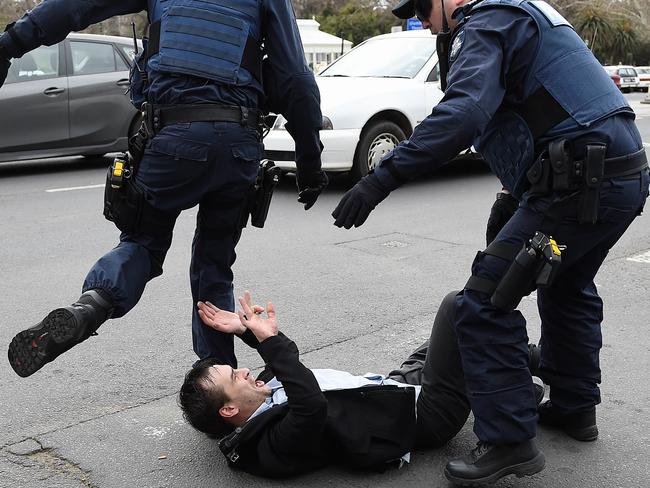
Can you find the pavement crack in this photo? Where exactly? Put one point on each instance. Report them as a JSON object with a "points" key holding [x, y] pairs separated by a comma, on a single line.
{"points": [[30, 454], [352, 338], [58, 464], [85, 421]]}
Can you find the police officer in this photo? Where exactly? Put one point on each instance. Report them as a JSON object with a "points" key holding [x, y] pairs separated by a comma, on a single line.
{"points": [[202, 84], [525, 90]]}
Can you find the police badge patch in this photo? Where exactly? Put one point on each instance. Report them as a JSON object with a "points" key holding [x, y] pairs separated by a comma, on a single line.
{"points": [[456, 45]]}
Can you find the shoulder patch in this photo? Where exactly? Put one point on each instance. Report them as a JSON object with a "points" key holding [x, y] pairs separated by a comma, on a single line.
{"points": [[456, 45]]}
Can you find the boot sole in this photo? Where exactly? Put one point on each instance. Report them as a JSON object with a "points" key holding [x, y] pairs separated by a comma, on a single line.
{"points": [[528, 468], [31, 349], [588, 434]]}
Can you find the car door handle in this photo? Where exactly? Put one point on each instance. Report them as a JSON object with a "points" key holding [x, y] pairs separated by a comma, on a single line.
{"points": [[123, 82], [54, 91]]}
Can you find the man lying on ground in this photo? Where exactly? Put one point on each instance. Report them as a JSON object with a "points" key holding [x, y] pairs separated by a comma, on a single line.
{"points": [[292, 419]]}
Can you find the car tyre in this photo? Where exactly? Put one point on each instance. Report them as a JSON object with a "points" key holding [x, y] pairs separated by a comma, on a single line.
{"points": [[376, 140]]}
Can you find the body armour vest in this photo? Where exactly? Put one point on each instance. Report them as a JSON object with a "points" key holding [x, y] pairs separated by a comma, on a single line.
{"points": [[205, 38], [561, 62]]}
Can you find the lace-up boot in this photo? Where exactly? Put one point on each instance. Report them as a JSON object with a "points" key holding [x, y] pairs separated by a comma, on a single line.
{"points": [[487, 463], [62, 329]]}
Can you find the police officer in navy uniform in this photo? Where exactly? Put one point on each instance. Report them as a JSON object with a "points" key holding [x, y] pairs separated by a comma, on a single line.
{"points": [[202, 82], [525, 90]]}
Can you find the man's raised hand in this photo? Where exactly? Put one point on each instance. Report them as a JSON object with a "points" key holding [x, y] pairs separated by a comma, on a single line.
{"points": [[251, 318], [221, 320]]}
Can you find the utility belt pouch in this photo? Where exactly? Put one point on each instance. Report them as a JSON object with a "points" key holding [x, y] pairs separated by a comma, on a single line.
{"points": [[150, 120], [560, 163], [137, 145], [123, 199], [539, 176], [594, 170], [268, 176], [535, 265]]}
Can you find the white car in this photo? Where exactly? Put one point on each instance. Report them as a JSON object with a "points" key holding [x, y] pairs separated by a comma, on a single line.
{"points": [[644, 76], [371, 99], [629, 78]]}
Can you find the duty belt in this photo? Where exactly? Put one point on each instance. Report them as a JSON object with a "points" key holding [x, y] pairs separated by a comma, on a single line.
{"points": [[155, 117], [556, 170]]}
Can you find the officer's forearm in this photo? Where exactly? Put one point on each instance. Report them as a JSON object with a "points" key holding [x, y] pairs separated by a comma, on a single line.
{"points": [[450, 129], [304, 120], [52, 20]]}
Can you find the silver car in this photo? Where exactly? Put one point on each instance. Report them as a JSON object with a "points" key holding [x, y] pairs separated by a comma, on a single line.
{"points": [[68, 99]]}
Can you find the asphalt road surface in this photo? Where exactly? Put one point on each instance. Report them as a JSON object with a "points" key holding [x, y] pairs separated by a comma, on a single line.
{"points": [[105, 413]]}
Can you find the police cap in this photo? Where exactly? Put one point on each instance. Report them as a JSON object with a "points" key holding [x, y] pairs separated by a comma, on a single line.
{"points": [[405, 9]]}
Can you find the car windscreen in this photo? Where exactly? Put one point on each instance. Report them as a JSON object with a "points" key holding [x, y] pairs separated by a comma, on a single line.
{"points": [[400, 57]]}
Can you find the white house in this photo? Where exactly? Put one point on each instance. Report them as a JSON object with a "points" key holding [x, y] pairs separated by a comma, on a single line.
{"points": [[320, 47]]}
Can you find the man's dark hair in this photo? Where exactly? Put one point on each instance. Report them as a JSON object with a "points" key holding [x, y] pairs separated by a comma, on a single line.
{"points": [[201, 400]]}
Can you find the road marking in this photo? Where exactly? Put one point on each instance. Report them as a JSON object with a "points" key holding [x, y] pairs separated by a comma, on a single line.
{"points": [[641, 258], [73, 188]]}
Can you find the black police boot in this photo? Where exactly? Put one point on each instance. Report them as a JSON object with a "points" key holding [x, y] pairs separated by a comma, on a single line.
{"points": [[62, 329], [579, 425], [487, 463]]}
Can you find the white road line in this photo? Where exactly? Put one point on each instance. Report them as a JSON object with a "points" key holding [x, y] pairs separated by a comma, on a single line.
{"points": [[73, 188], [641, 258]]}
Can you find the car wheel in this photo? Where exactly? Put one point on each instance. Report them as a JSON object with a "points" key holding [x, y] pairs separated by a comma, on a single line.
{"points": [[376, 140]]}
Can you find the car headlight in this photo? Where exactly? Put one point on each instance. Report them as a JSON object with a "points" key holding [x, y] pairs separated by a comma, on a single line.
{"points": [[280, 123]]}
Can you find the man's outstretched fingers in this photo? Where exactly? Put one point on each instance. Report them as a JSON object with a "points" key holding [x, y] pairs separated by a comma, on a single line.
{"points": [[270, 310]]}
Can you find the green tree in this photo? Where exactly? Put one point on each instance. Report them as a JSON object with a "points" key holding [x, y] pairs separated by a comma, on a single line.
{"points": [[594, 23], [356, 21], [622, 42]]}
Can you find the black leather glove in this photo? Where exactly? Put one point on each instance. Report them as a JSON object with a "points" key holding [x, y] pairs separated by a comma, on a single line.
{"points": [[358, 202], [309, 187], [502, 209]]}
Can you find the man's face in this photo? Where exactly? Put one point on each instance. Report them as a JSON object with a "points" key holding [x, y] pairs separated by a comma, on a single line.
{"points": [[429, 12], [244, 394]]}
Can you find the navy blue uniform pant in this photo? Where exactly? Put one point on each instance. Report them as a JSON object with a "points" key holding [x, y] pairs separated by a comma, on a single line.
{"points": [[209, 164], [493, 344]]}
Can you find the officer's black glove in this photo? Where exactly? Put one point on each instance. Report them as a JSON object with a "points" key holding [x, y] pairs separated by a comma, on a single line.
{"points": [[502, 210], [309, 187], [358, 202]]}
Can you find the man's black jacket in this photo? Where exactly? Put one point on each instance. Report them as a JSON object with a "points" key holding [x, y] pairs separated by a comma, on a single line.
{"points": [[365, 427]]}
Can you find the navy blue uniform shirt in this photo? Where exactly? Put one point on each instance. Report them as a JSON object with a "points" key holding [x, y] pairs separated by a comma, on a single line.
{"points": [[488, 70]]}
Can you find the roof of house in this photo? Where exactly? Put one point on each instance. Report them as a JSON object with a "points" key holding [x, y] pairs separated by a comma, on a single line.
{"points": [[312, 35]]}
